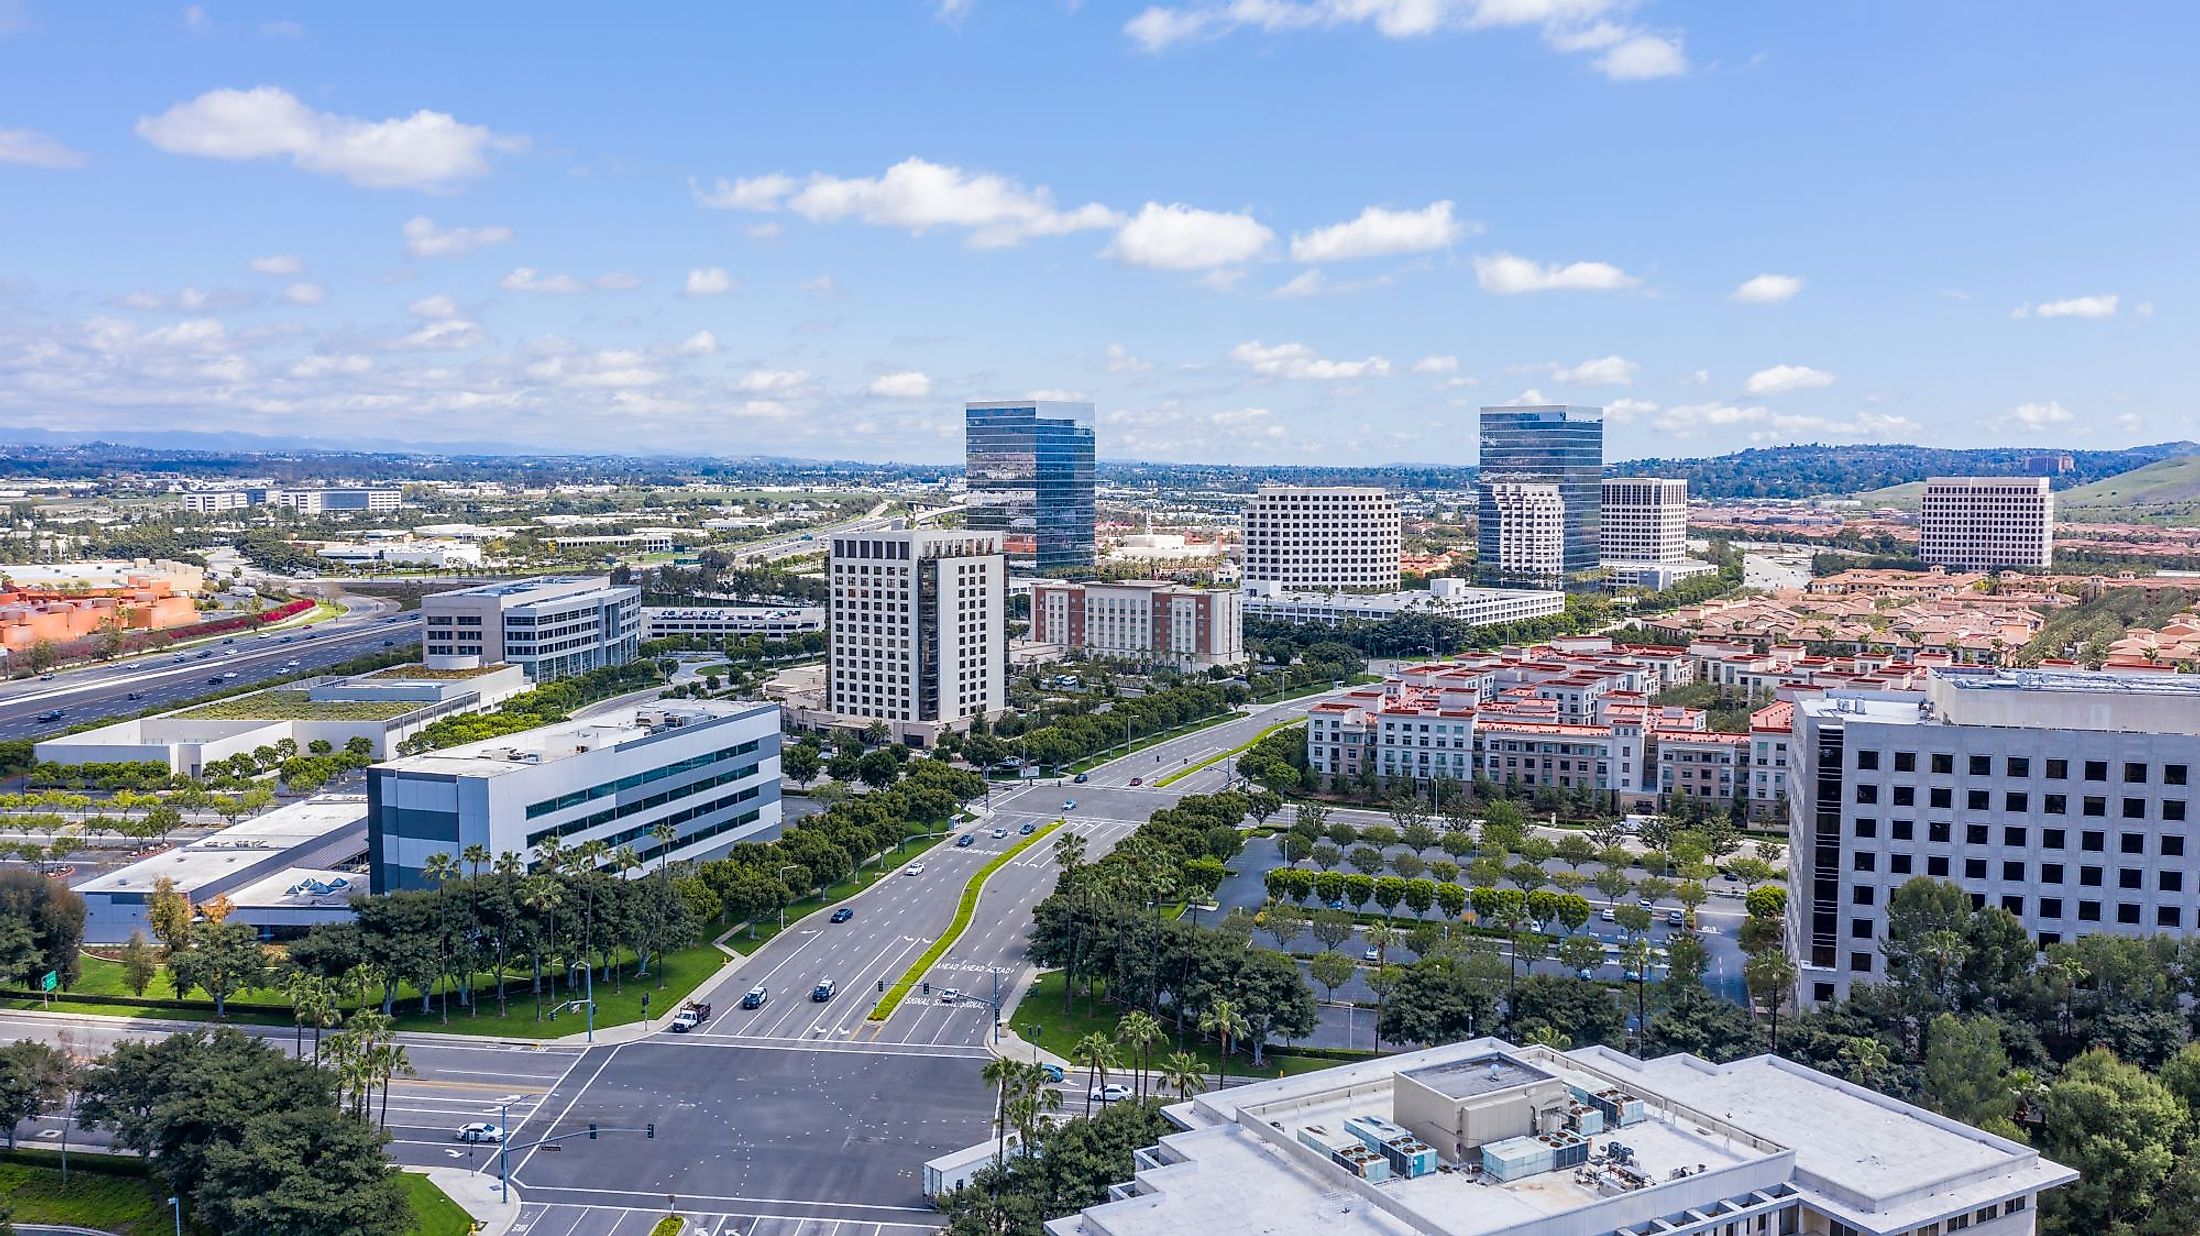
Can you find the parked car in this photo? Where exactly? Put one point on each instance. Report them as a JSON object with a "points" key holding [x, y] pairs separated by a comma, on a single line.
{"points": [[691, 1015], [480, 1131], [756, 997], [822, 992], [967, 839], [843, 914], [1110, 1093], [1674, 918], [1080, 778], [1371, 955], [1609, 917]]}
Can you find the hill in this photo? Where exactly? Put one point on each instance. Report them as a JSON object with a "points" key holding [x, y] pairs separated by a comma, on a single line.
{"points": [[2167, 492], [1903, 497], [1810, 470]]}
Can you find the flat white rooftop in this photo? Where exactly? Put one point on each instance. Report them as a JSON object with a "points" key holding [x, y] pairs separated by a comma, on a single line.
{"points": [[496, 757], [197, 864]]}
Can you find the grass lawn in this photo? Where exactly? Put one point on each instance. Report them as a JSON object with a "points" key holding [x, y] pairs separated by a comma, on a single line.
{"points": [[98, 1195], [434, 1214], [1059, 1031], [681, 973], [297, 706]]}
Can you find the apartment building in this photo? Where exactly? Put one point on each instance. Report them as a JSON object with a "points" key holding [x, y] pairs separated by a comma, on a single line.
{"points": [[707, 768], [918, 627], [1483, 1138], [2063, 796], [1154, 622], [1542, 444], [1337, 539], [1709, 768], [552, 626], [1530, 539], [1987, 521], [1771, 729]]}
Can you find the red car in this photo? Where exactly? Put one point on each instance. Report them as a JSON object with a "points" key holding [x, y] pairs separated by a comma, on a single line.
{"points": [[1138, 781]]}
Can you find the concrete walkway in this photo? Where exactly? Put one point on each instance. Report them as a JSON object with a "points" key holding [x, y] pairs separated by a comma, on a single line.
{"points": [[477, 1193]]}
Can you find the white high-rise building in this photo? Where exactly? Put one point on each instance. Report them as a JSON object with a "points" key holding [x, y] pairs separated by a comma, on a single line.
{"points": [[918, 625], [2062, 796], [1987, 521], [1645, 519], [1332, 538], [1531, 528]]}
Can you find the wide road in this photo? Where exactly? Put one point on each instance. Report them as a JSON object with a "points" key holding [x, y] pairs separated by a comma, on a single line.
{"points": [[93, 692]]}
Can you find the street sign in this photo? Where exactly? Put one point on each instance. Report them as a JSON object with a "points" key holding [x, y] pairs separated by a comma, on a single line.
{"points": [[52, 981]]}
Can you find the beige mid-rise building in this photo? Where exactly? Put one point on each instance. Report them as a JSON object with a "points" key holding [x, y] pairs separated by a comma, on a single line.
{"points": [[1987, 521], [1332, 538]]}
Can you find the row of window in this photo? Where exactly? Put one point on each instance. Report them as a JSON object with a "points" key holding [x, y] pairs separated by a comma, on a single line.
{"points": [[608, 788], [2018, 837], [2135, 772], [2020, 801]]}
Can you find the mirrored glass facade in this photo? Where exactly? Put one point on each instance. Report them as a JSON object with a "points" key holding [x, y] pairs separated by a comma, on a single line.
{"points": [[1030, 471], [1545, 444]]}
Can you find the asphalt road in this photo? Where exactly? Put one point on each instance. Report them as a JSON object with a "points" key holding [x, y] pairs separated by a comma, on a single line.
{"points": [[97, 691]]}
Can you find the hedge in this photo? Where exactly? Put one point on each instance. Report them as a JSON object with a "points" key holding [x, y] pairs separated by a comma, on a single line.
{"points": [[964, 911]]}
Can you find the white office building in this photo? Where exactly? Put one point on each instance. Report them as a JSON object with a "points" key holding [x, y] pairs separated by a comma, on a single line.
{"points": [[2062, 796], [282, 873], [552, 626], [1645, 519], [918, 626], [214, 501], [731, 621], [1150, 621], [1979, 522], [1337, 538], [708, 768], [1483, 1138], [313, 501], [1443, 598], [1531, 528]]}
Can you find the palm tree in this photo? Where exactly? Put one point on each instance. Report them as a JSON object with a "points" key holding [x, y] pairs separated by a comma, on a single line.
{"points": [[439, 868], [1867, 1058], [1223, 1020], [1096, 1051], [999, 1072], [508, 864], [389, 1059], [1180, 1072], [476, 856], [307, 991], [1138, 1032], [540, 896], [1382, 937]]}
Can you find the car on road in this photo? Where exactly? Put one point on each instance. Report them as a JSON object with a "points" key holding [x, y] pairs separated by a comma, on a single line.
{"points": [[45, 678], [216, 680], [229, 673], [755, 997], [1585, 974], [481, 1131], [178, 659], [135, 695], [1371, 955], [843, 914], [913, 869], [822, 992], [48, 716], [1027, 829], [1674, 918], [1052, 1072], [999, 833], [203, 655], [1080, 778], [691, 1015], [1069, 804], [1609, 917], [948, 995], [1138, 781], [967, 839], [389, 643], [1110, 1093], [231, 640]]}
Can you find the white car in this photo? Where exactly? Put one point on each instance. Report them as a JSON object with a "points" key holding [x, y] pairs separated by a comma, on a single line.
{"points": [[1110, 1093], [1371, 955], [913, 869], [480, 1132]]}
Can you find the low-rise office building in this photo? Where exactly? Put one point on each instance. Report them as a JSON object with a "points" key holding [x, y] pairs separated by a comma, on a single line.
{"points": [[282, 872], [707, 768], [309, 501], [551, 626], [1455, 599], [2062, 796], [719, 622], [1482, 1138], [1150, 621]]}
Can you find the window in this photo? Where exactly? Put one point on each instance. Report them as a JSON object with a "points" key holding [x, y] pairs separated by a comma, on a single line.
{"points": [[1974, 834], [1942, 797], [1905, 761], [1861, 895], [1944, 762], [1936, 830], [2173, 808], [1899, 864], [2050, 907], [1867, 759], [2095, 805], [1903, 830], [2089, 911], [2013, 836], [2135, 808], [2015, 1204], [2058, 770], [1982, 766], [2052, 838], [1905, 796], [2013, 872], [2051, 873], [1865, 860], [2016, 801], [2135, 773], [1974, 868], [1937, 866], [2170, 881], [1976, 800], [2055, 804], [2132, 843], [1867, 793], [2089, 876], [2127, 878], [1867, 828], [1861, 929], [2096, 770], [2173, 847], [2093, 843], [1860, 962], [2173, 774], [2020, 766], [2127, 914], [2167, 916], [2013, 904]]}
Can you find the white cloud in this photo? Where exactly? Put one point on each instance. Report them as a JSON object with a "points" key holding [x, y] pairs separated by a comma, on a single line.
{"points": [[1603, 371], [528, 279], [425, 240], [1764, 425], [1305, 283], [1180, 237], [823, 285], [1379, 232], [440, 335], [1436, 364], [2035, 417], [1642, 57], [305, 293], [919, 195], [617, 281], [34, 149], [349, 365], [1259, 422], [195, 19], [951, 10], [1120, 360], [773, 381], [1057, 395], [701, 343], [439, 307], [708, 281], [908, 384], [1781, 379], [1768, 289], [1689, 419], [1299, 362], [2130, 422], [2102, 306], [426, 150], [277, 264], [1507, 275], [1624, 411]]}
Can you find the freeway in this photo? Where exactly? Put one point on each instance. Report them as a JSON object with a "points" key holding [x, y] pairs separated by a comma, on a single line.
{"points": [[169, 678]]}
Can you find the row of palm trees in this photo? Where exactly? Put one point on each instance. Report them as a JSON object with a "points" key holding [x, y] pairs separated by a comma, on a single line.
{"points": [[1131, 1048], [365, 1055]]}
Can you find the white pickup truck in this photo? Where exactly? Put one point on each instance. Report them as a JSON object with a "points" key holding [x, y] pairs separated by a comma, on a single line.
{"points": [[690, 1016]]}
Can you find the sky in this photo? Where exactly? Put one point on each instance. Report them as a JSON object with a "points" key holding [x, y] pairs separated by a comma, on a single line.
{"points": [[1249, 231]]}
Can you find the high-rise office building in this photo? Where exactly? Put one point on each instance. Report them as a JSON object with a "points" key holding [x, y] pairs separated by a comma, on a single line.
{"points": [[1987, 521], [918, 626], [1644, 519], [1531, 528], [1322, 540], [1029, 468], [1543, 444]]}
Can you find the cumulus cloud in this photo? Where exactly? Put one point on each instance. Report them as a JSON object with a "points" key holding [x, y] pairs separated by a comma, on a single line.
{"points": [[1180, 237], [1781, 379], [1768, 289], [774, 381], [1761, 424], [448, 334], [1624, 411], [1507, 275], [305, 293], [918, 195], [908, 384], [1257, 422], [701, 343], [31, 148], [823, 285], [1436, 364], [185, 300], [281, 264], [1603, 371], [434, 308], [423, 239], [615, 369], [1379, 232], [1120, 360], [2102, 306], [427, 150], [708, 281], [1298, 362], [1305, 283], [2034, 417], [346, 365], [528, 279]]}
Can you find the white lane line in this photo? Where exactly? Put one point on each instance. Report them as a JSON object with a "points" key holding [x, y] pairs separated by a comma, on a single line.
{"points": [[613, 1054], [750, 1201]]}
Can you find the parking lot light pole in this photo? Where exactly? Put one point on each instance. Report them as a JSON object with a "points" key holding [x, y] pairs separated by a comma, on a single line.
{"points": [[175, 1203]]}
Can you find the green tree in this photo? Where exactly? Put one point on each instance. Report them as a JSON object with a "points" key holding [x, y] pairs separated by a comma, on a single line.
{"points": [[2120, 1129], [1223, 1020], [33, 1076], [1966, 1072], [1331, 969], [140, 964], [221, 959], [303, 1174]]}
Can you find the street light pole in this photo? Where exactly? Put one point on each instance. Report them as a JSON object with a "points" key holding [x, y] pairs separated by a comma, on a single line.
{"points": [[176, 1204]]}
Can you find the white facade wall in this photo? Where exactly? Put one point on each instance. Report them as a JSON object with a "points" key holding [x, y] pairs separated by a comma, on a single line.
{"points": [[918, 626], [735, 621], [1645, 520], [1149, 621], [1531, 528], [1329, 538], [552, 627], [1987, 521]]}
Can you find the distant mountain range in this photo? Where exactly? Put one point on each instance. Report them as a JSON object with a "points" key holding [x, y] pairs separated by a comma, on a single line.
{"points": [[1811, 470]]}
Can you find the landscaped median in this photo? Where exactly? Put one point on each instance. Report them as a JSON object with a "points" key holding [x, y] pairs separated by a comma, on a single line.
{"points": [[964, 911], [1220, 756]]}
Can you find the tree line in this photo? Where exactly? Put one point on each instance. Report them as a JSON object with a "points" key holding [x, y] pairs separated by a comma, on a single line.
{"points": [[544, 705]]}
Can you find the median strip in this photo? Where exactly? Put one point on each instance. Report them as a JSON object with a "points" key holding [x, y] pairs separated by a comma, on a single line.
{"points": [[1220, 756], [964, 911]]}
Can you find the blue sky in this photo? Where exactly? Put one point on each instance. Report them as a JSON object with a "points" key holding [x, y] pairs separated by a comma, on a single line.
{"points": [[1288, 231]]}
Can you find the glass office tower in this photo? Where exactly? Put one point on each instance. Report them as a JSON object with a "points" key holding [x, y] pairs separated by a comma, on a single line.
{"points": [[1543, 444], [1030, 474]]}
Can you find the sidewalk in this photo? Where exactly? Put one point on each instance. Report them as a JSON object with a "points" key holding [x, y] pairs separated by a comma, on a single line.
{"points": [[478, 1194]]}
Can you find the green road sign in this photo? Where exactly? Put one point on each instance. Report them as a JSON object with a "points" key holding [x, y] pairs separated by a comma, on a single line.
{"points": [[51, 982]]}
